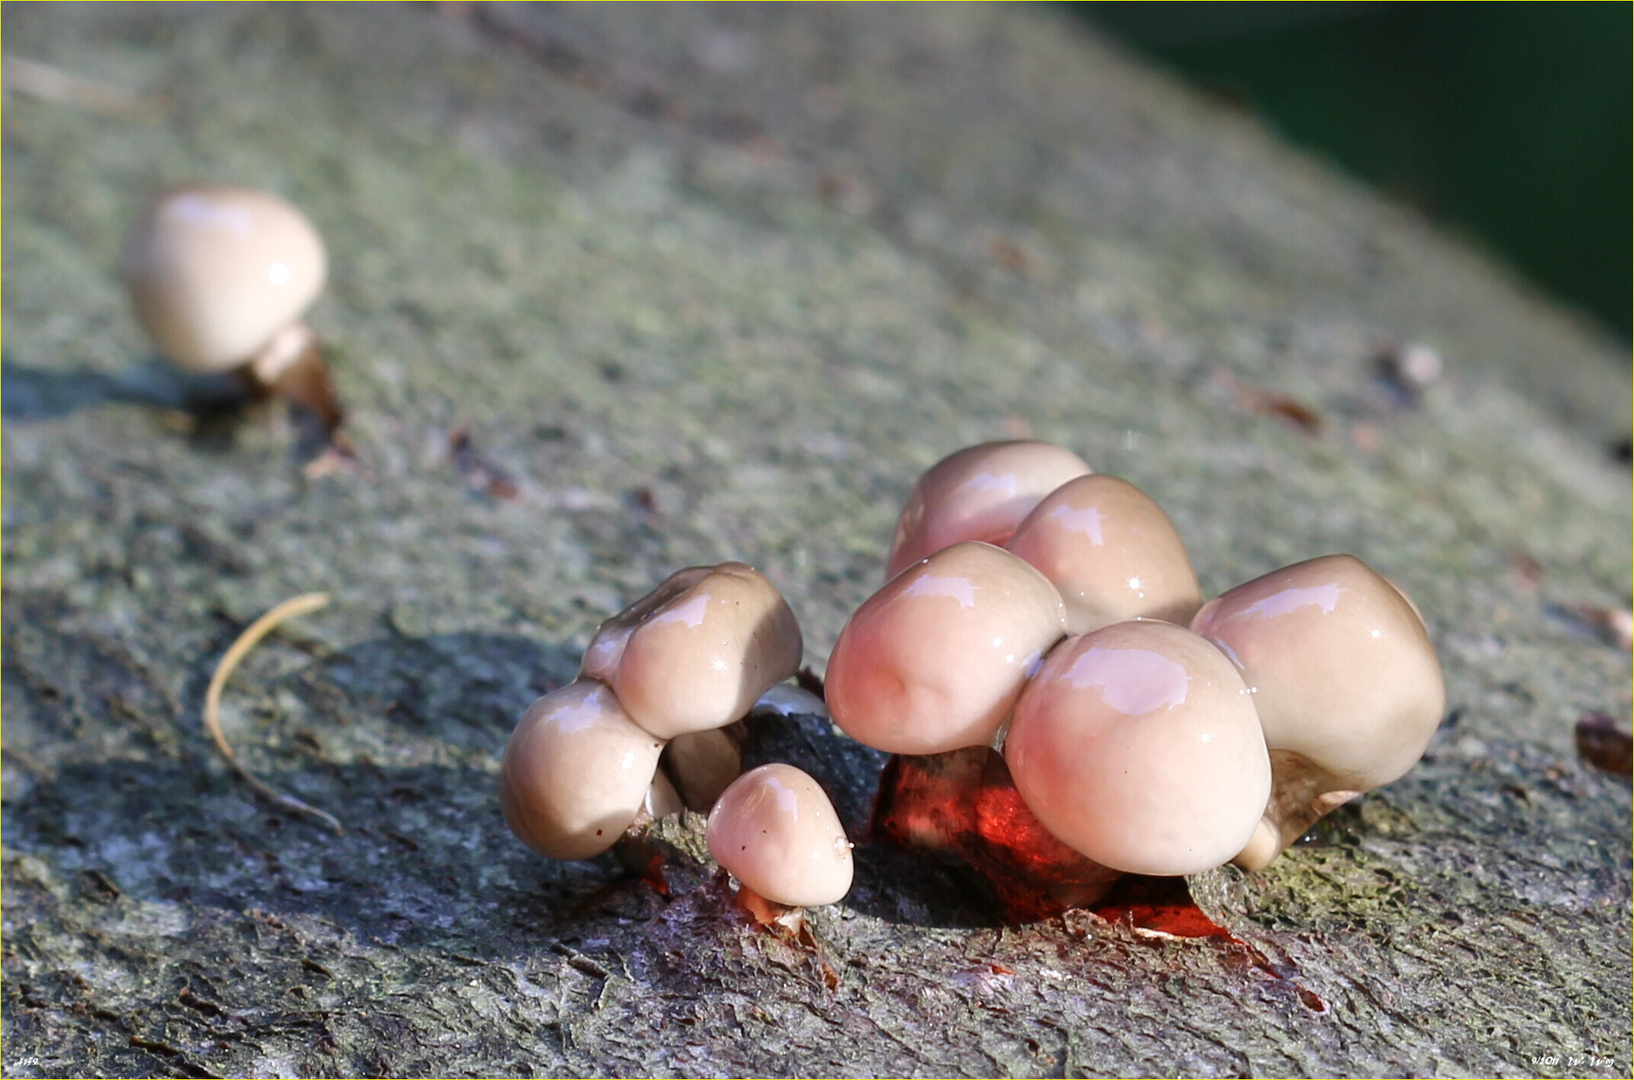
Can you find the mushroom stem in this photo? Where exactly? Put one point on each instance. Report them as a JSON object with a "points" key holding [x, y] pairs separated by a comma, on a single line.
{"points": [[1301, 795], [963, 806], [292, 366], [780, 917], [260, 628], [637, 849], [663, 799]]}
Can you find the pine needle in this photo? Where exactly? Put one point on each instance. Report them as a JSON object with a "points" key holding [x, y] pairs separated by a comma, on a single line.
{"points": [[260, 628]]}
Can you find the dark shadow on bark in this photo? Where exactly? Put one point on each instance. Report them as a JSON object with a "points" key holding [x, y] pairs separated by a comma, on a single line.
{"points": [[39, 394], [215, 405], [399, 737], [427, 859]]}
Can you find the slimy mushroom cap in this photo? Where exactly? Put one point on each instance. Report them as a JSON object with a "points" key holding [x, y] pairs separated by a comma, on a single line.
{"points": [[1137, 745], [606, 649], [775, 830], [979, 493], [696, 652], [934, 661], [576, 772], [1111, 552]]}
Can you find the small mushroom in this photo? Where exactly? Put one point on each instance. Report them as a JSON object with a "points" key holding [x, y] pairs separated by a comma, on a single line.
{"points": [[1137, 746], [219, 278], [979, 493], [935, 660], [775, 830], [1409, 370], [1111, 552], [696, 652], [1345, 681], [578, 772]]}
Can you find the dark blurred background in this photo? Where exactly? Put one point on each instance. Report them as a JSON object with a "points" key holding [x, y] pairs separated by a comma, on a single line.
{"points": [[1509, 123]]}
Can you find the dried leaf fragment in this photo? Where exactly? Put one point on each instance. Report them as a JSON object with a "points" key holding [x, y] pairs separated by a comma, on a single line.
{"points": [[1605, 744]]}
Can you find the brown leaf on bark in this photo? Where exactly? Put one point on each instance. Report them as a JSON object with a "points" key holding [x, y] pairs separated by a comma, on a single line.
{"points": [[1605, 744]]}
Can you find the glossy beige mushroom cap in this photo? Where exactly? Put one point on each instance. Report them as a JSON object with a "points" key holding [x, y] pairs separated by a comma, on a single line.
{"points": [[934, 661], [576, 772], [606, 649], [1137, 745], [696, 652], [1345, 680], [1341, 666], [775, 830], [979, 493], [216, 272], [1111, 552]]}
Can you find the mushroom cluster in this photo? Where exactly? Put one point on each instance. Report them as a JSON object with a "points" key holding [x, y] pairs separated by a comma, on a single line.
{"points": [[650, 727], [1061, 704], [1050, 614]]}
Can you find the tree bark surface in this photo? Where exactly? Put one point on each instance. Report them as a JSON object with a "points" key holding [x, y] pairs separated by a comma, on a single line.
{"points": [[620, 289]]}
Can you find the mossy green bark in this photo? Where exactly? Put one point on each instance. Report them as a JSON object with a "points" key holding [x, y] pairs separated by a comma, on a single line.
{"points": [[713, 283]]}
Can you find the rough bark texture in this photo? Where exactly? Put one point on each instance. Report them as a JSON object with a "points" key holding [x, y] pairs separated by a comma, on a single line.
{"points": [[708, 283]]}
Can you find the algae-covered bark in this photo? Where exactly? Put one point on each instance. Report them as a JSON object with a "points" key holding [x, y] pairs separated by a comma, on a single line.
{"points": [[704, 283]]}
